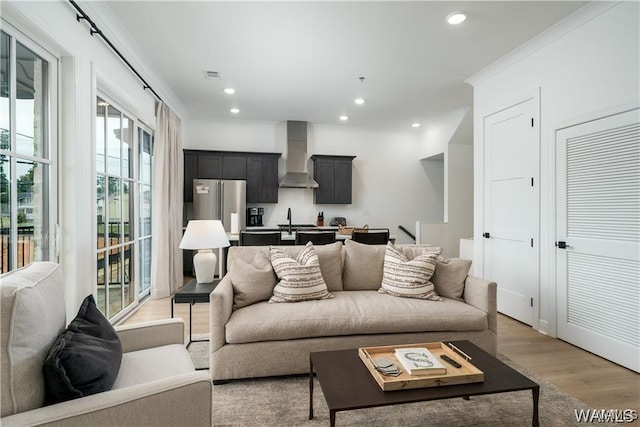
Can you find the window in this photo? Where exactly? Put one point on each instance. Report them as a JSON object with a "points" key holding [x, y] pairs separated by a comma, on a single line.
{"points": [[123, 193], [145, 161], [27, 152]]}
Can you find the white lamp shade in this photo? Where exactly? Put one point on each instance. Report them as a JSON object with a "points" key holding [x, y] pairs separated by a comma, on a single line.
{"points": [[204, 234]]}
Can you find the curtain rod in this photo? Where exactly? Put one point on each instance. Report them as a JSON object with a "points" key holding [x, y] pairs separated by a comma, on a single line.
{"points": [[95, 30]]}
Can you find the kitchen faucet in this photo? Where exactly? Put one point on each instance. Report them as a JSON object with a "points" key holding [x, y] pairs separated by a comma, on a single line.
{"points": [[289, 218]]}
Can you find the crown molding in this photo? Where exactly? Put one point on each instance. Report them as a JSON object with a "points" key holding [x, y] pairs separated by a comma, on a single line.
{"points": [[553, 33]]}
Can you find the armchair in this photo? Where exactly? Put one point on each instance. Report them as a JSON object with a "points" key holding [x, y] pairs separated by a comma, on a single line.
{"points": [[157, 384]]}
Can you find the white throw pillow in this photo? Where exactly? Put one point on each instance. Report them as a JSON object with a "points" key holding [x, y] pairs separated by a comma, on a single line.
{"points": [[300, 278], [404, 278]]}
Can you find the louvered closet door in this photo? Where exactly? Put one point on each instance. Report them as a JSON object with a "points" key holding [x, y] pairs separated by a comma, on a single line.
{"points": [[598, 217]]}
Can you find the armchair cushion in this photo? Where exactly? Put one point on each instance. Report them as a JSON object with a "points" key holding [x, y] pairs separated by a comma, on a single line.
{"points": [[153, 364], [32, 315], [85, 359]]}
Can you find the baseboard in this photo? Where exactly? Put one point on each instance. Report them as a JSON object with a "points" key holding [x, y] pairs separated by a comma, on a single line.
{"points": [[543, 327]]}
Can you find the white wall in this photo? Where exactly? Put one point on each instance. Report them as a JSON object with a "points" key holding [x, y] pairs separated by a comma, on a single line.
{"points": [[450, 138], [84, 60], [390, 186], [584, 67], [440, 132]]}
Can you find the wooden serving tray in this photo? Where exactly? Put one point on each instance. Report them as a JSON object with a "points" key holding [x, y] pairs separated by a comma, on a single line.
{"points": [[464, 375]]}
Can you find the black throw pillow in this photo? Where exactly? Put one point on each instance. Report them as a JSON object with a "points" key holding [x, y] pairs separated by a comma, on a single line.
{"points": [[84, 359]]}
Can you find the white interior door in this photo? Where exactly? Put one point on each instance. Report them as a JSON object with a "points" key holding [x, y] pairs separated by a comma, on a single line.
{"points": [[598, 220], [511, 142]]}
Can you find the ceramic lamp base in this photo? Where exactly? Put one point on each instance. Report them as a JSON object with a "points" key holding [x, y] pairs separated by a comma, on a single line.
{"points": [[204, 263]]}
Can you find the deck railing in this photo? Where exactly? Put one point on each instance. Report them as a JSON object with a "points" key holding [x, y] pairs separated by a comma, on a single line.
{"points": [[25, 247]]}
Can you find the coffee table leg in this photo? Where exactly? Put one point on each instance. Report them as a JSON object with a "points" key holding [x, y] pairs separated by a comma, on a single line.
{"points": [[332, 418], [536, 396], [310, 389]]}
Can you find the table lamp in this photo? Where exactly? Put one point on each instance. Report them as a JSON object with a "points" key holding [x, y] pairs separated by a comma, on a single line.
{"points": [[204, 235]]}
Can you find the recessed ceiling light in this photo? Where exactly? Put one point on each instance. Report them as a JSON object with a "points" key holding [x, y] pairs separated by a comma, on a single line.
{"points": [[229, 91], [457, 17], [415, 125], [234, 110], [359, 101], [344, 118]]}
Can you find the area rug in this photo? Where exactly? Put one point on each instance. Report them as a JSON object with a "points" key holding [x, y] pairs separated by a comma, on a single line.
{"points": [[282, 401], [199, 351]]}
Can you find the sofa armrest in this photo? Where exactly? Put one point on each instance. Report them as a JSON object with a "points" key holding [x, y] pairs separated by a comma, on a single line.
{"points": [[221, 306], [481, 294], [179, 400], [139, 336]]}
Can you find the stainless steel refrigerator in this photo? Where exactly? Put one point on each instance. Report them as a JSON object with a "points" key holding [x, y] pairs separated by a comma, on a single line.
{"points": [[218, 199]]}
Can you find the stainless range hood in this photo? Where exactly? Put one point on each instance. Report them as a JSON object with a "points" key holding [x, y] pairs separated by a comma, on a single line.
{"points": [[296, 175]]}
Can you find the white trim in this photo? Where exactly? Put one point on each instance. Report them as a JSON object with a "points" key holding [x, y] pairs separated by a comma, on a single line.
{"points": [[18, 12], [554, 128], [479, 190], [50, 136], [557, 31], [480, 117], [543, 327], [101, 90]]}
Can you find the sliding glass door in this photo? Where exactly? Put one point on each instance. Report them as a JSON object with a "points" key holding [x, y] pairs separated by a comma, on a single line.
{"points": [[124, 161]]}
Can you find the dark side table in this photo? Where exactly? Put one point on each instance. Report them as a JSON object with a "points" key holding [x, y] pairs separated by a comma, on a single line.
{"points": [[192, 293]]}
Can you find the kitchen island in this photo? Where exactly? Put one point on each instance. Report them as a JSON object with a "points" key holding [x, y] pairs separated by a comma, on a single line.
{"points": [[290, 238]]}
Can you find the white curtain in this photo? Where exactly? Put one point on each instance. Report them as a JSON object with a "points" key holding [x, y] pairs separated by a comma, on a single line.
{"points": [[166, 261]]}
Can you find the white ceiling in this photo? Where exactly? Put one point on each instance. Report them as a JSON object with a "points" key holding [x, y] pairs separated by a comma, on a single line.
{"points": [[302, 60]]}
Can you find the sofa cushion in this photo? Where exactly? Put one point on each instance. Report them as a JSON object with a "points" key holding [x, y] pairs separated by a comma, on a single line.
{"points": [[329, 256], [411, 279], [300, 278], [362, 266], [413, 251], [252, 282], [449, 277], [151, 364], [350, 313], [32, 315], [85, 359]]}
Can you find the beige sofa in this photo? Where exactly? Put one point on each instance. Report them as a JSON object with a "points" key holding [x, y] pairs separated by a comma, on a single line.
{"points": [[157, 384], [267, 339]]}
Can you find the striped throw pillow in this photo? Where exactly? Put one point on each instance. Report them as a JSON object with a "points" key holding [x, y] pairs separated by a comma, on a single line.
{"points": [[300, 279], [404, 278]]}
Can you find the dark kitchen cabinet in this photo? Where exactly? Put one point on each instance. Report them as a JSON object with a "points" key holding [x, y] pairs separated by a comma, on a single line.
{"points": [[334, 175], [220, 165], [190, 173], [262, 178], [209, 165], [260, 170], [234, 166]]}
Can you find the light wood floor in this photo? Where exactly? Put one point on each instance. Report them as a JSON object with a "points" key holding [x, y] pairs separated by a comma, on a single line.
{"points": [[595, 381]]}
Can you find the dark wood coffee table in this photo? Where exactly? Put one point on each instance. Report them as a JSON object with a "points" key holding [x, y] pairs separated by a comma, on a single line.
{"points": [[347, 384]]}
